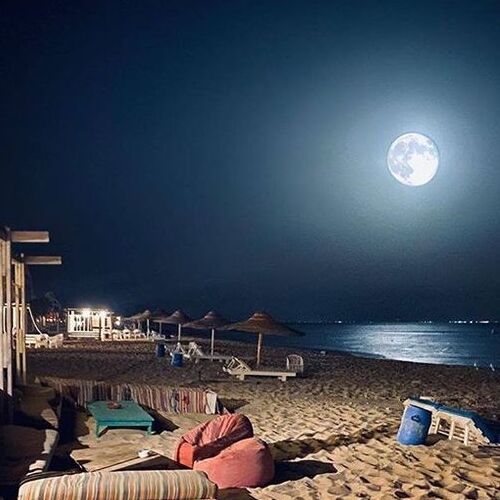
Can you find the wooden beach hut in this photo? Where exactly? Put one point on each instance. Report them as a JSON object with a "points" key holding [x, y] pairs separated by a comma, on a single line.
{"points": [[13, 310], [85, 323]]}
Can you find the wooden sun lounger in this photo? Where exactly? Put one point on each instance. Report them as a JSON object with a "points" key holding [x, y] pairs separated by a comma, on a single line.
{"points": [[31, 339], [196, 353], [37, 340], [128, 335], [458, 424], [56, 341], [240, 370]]}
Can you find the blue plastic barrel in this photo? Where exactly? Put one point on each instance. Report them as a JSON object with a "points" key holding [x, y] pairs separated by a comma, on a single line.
{"points": [[177, 359], [160, 350], [414, 426]]}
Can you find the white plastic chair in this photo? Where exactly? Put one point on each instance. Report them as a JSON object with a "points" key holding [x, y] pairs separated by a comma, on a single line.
{"points": [[295, 363], [55, 341]]}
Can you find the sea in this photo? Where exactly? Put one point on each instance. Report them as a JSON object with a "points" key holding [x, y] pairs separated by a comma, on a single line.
{"points": [[470, 344]]}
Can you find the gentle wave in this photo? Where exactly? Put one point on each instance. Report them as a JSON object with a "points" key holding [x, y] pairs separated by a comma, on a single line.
{"points": [[436, 343]]}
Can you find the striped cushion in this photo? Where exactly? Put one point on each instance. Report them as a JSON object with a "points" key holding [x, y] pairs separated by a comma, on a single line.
{"points": [[122, 485]]}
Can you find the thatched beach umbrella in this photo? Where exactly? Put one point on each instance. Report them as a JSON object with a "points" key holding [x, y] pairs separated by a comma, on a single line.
{"points": [[178, 318], [211, 321], [140, 317], [262, 324], [160, 316]]}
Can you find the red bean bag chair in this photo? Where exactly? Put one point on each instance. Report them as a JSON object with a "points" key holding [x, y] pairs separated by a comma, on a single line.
{"points": [[245, 464], [210, 438]]}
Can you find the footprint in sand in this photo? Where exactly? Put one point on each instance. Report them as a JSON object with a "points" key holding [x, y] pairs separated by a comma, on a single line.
{"points": [[476, 478]]}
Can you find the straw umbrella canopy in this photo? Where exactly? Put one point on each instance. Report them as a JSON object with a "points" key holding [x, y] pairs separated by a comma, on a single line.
{"points": [[159, 316], [178, 318], [140, 317], [211, 321], [262, 324]]}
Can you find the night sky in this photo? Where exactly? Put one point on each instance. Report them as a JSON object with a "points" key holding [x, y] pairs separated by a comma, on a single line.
{"points": [[232, 155]]}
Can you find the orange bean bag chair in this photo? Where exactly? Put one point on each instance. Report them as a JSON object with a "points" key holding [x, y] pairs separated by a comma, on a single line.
{"points": [[245, 464], [210, 438]]}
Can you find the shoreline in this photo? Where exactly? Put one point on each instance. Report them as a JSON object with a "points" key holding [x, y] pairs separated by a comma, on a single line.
{"points": [[364, 355]]}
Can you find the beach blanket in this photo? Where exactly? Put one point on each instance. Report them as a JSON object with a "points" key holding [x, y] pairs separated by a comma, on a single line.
{"points": [[156, 397]]}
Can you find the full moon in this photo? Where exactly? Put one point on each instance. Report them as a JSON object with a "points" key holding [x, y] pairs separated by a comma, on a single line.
{"points": [[413, 159]]}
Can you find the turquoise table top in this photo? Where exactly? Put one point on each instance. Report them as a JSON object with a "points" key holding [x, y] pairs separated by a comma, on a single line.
{"points": [[129, 412]]}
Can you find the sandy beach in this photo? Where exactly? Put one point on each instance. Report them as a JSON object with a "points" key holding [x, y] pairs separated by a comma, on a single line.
{"points": [[332, 433]]}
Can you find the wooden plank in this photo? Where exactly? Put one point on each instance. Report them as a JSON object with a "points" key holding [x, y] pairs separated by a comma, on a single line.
{"points": [[8, 322], [131, 462], [452, 429], [43, 260], [29, 236]]}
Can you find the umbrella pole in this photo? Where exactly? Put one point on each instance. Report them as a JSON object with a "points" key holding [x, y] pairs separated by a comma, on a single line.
{"points": [[259, 349], [212, 341], [147, 323], [179, 332], [160, 324]]}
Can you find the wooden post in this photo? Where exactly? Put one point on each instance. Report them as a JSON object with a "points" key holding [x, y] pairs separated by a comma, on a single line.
{"points": [[43, 260], [259, 349], [452, 429], [101, 330], [29, 236], [436, 425], [8, 315], [24, 322], [2, 315], [212, 342], [17, 317]]}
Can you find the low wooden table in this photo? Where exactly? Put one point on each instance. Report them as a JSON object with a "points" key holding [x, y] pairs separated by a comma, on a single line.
{"points": [[155, 461], [129, 415]]}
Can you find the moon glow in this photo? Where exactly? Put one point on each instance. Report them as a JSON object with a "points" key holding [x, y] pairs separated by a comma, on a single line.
{"points": [[413, 159]]}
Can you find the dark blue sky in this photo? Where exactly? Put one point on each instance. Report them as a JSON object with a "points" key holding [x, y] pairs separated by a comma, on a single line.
{"points": [[232, 154]]}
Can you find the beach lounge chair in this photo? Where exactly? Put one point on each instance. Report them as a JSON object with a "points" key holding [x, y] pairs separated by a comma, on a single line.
{"points": [[108, 335], [179, 348], [116, 334], [125, 335], [196, 353], [42, 340], [138, 335], [458, 424], [31, 339], [238, 368], [56, 341], [156, 336]]}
